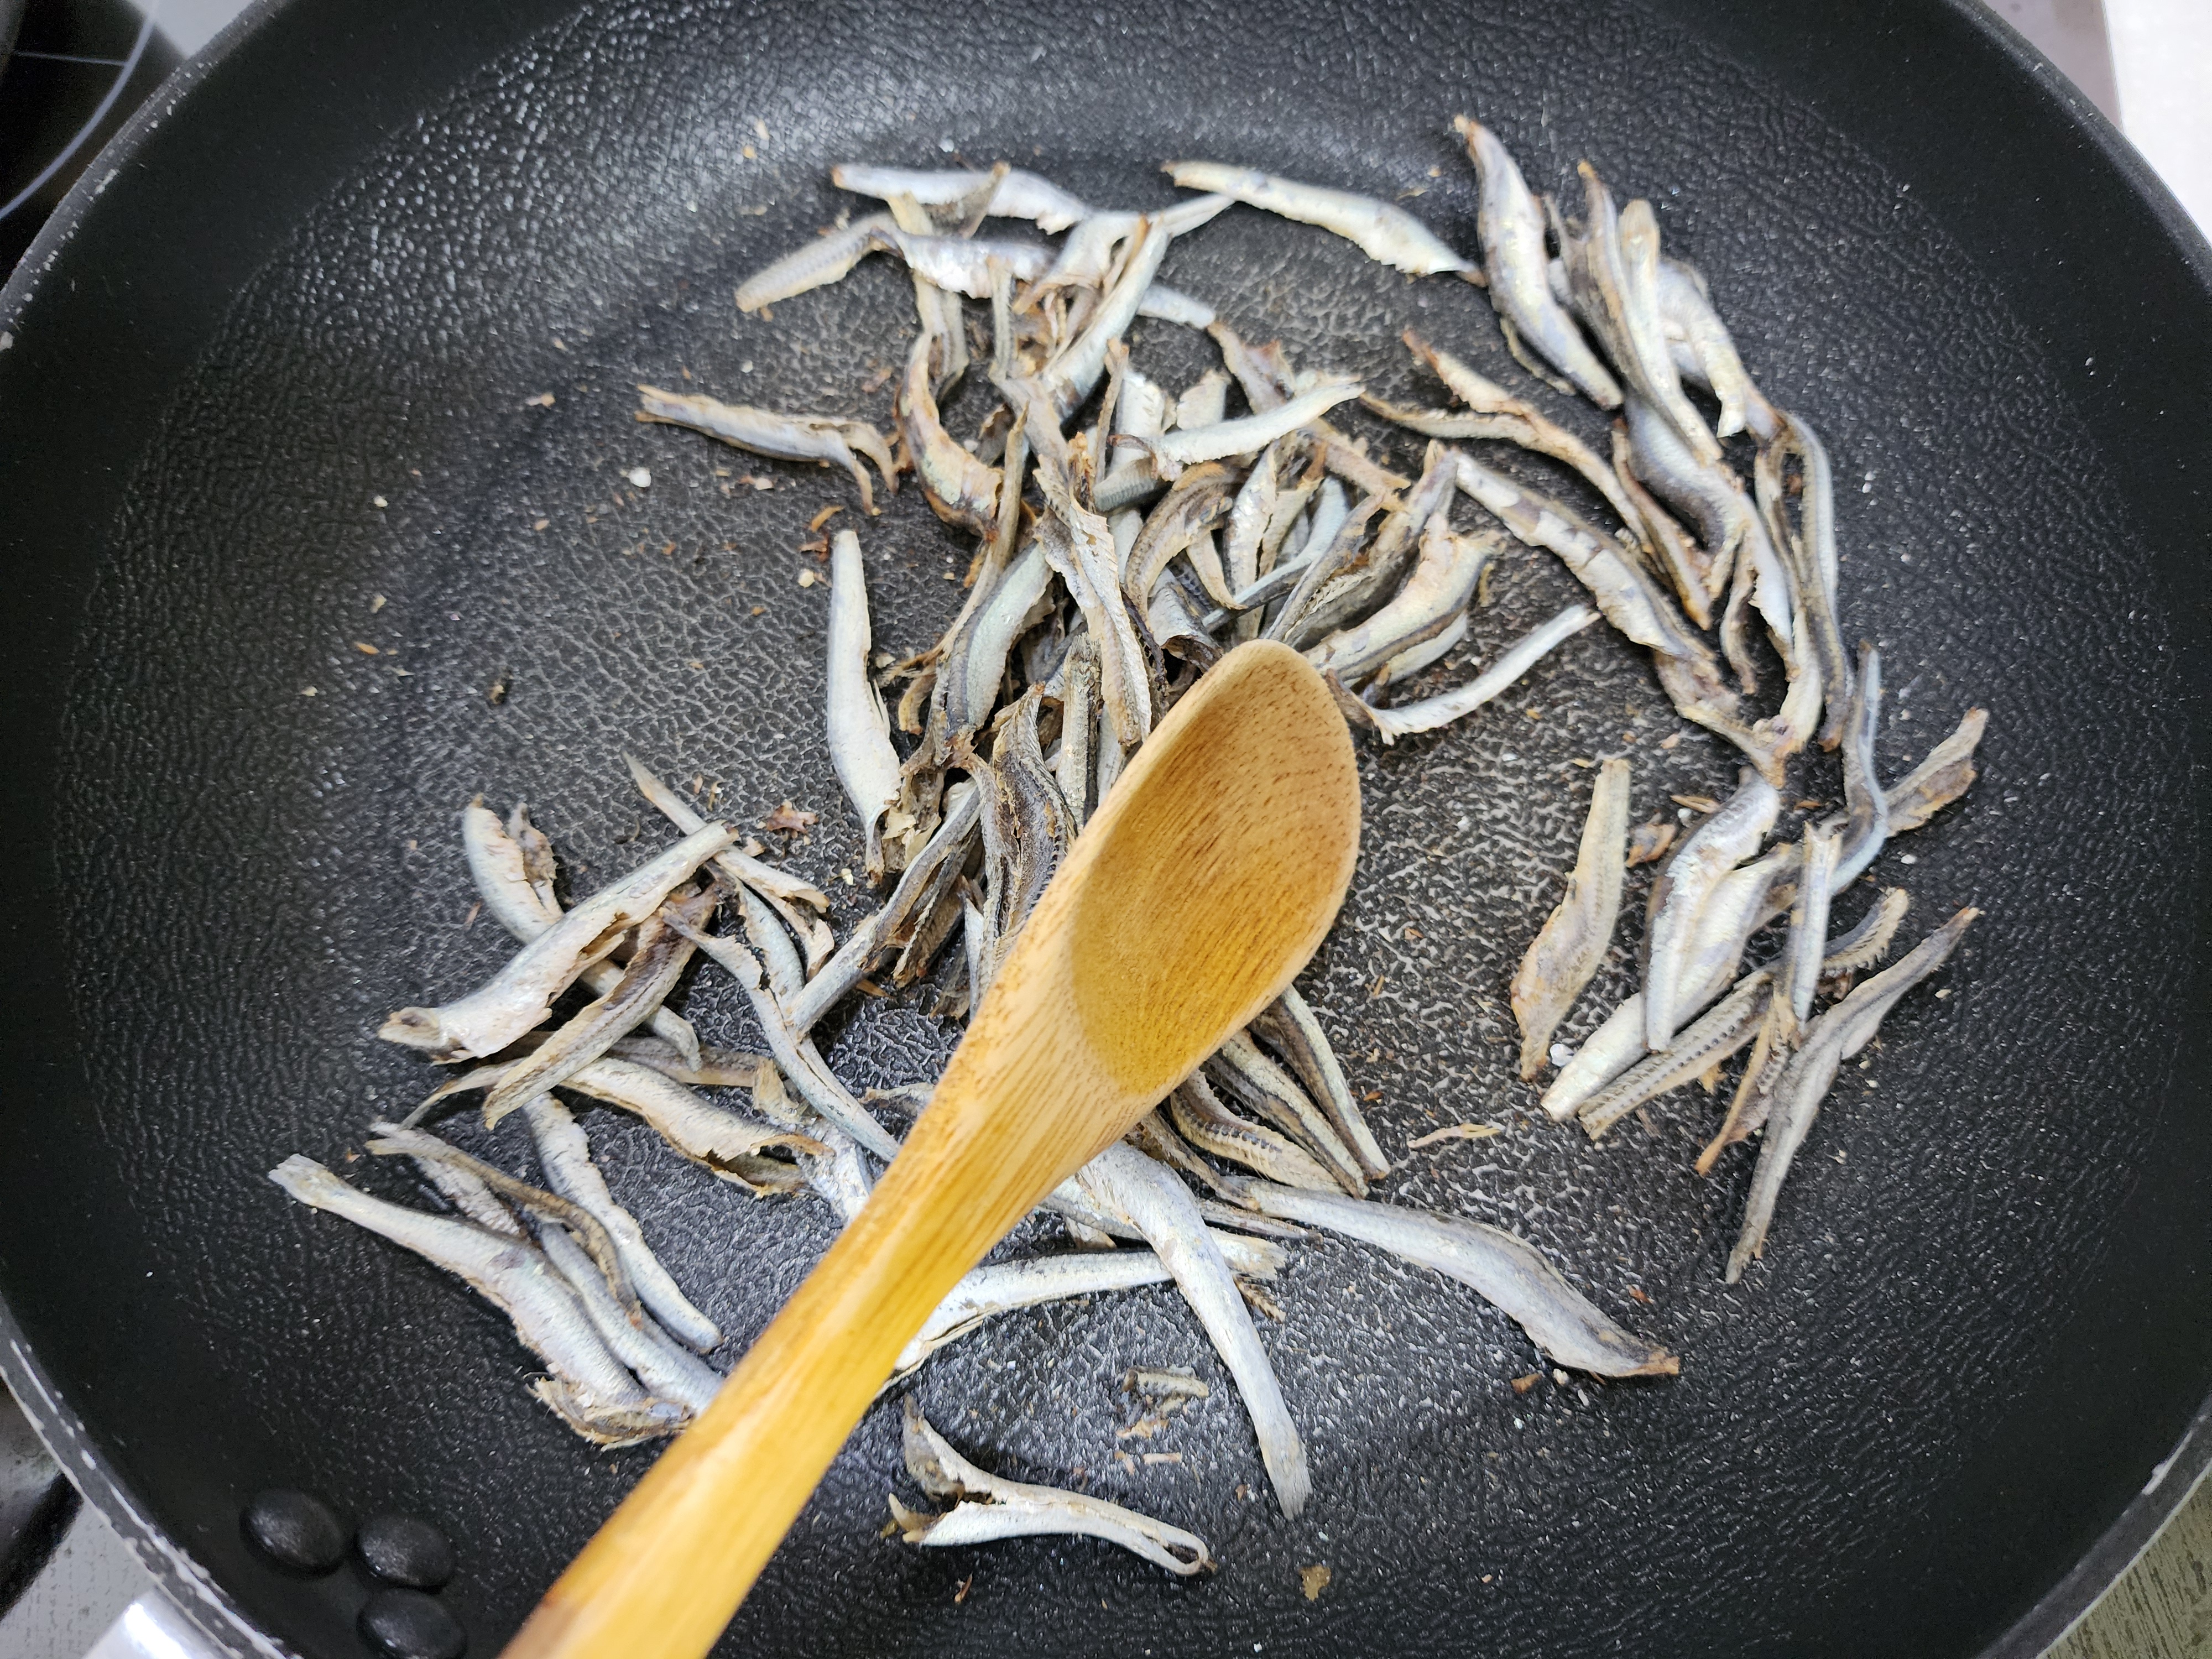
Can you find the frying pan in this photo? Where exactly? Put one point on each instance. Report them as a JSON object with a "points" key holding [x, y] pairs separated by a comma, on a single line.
{"points": [[274, 361]]}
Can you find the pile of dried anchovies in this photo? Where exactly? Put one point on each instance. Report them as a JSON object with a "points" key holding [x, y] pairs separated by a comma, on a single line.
{"points": [[1114, 564]]}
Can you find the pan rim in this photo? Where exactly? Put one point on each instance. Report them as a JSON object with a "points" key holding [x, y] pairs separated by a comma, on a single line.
{"points": [[70, 1440]]}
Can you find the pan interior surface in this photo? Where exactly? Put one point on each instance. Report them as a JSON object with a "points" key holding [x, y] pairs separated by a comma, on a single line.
{"points": [[363, 568]]}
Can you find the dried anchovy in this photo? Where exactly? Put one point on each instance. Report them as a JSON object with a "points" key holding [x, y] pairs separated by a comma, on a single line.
{"points": [[825, 440], [565, 1155], [1684, 888], [1705, 355], [1124, 1181], [1812, 553], [589, 1388], [1718, 1033], [816, 1084], [1612, 274], [1939, 779], [521, 994], [1000, 1287], [523, 902], [1436, 593], [661, 956], [990, 1507], [1264, 1086], [1391, 724], [1015, 195], [824, 260], [960, 488], [1200, 498], [1571, 946], [1187, 446], [1501, 1269], [1289, 1026], [1512, 223], [1378, 229], [1834, 1038], [1212, 1127], [787, 892]]}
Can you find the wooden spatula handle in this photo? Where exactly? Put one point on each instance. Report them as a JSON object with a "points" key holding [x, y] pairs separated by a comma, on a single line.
{"points": [[670, 1567]]}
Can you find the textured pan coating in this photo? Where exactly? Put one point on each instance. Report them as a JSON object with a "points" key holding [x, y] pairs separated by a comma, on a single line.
{"points": [[249, 554]]}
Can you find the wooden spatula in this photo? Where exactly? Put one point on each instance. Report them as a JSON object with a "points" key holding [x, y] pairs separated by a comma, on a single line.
{"points": [[1203, 883]]}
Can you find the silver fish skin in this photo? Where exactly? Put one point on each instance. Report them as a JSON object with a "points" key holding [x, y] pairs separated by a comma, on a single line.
{"points": [[1945, 774], [1000, 1287], [859, 728], [976, 661], [1071, 377], [837, 977], [1382, 232], [989, 1507], [1704, 352], [785, 891], [1711, 1038], [961, 265], [1571, 946], [809, 1073], [1808, 927], [786, 975], [1123, 1181], [1835, 1037], [1531, 648], [1413, 659], [507, 1273], [1505, 1272], [1170, 305], [1866, 828], [817, 264], [822, 439], [1080, 548], [840, 1176], [1253, 508], [525, 908], [961, 490], [1685, 886], [1201, 1119], [1612, 274], [1170, 452], [564, 1154], [667, 1371], [1018, 195], [1291, 1029], [658, 961], [1810, 552], [1254, 1078], [1686, 564], [1511, 221], [1204, 402], [1443, 582], [521, 994]]}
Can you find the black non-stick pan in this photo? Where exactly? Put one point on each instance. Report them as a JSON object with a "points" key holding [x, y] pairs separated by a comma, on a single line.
{"points": [[271, 391]]}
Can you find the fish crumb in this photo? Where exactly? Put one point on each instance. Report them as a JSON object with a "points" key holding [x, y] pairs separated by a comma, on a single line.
{"points": [[1523, 1384], [1314, 1580]]}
